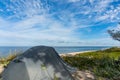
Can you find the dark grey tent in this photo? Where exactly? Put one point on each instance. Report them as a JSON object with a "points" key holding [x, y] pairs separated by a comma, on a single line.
{"points": [[37, 63]]}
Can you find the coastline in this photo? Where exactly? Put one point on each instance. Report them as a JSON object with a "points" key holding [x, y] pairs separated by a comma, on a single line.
{"points": [[75, 53]]}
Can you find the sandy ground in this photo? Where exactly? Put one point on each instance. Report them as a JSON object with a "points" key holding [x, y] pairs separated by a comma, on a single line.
{"points": [[83, 75], [1, 69], [78, 75], [74, 53]]}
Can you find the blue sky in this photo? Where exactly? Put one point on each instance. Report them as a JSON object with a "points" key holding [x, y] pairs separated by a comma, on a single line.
{"points": [[58, 22]]}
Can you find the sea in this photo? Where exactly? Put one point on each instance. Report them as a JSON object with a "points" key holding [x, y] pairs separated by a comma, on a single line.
{"points": [[6, 50]]}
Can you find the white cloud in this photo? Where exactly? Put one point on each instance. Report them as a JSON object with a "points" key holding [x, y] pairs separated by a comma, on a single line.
{"points": [[103, 41], [36, 25], [91, 1], [111, 15], [4, 23], [29, 31], [26, 8], [100, 10], [73, 0], [102, 5], [31, 22], [101, 18]]}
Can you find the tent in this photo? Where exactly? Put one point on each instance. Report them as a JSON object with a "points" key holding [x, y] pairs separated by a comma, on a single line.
{"points": [[37, 63]]}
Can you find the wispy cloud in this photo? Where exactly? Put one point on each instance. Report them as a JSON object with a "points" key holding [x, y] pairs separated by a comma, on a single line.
{"points": [[73, 0], [58, 22]]}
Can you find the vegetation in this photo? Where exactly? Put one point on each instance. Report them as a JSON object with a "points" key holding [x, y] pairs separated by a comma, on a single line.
{"points": [[103, 63], [6, 59], [115, 33]]}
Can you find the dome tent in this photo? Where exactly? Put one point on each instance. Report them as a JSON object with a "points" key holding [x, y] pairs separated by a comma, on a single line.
{"points": [[37, 63]]}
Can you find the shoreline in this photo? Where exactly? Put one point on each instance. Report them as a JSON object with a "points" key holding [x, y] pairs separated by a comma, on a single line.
{"points": [[75, 53]]}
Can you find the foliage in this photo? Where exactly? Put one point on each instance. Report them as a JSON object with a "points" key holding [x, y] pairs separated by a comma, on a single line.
{"points": [[5, 60], [115, 33], [104, 63]]}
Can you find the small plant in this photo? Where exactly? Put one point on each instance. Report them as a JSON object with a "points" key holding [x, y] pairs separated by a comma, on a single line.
{"points": [[5, 60]]}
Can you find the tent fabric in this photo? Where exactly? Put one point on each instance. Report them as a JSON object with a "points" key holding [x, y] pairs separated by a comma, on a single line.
{"points": [[37, 63]]}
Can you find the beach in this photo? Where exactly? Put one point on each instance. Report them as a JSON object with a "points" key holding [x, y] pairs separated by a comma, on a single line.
{"points": [[75, 53]]}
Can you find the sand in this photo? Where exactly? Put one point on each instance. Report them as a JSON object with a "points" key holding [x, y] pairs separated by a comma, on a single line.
{"points": [[1, 69], [83, 75], [75, 53]]}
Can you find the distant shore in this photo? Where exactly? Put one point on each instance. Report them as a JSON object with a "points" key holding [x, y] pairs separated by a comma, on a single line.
{"points": [[75, 53]]}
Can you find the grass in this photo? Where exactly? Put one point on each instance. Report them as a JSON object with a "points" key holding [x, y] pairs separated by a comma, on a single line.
{"points": [[4, 61], [103, 63]]}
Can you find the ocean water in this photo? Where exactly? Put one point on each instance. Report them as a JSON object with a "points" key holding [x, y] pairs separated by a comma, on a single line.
{"points": [[5, 50]]}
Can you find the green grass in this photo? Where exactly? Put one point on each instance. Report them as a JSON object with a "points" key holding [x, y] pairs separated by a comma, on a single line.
{"points": [[104, 63]]}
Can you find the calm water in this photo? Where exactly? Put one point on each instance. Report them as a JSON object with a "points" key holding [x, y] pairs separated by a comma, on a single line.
{"points": [[9, 50]]}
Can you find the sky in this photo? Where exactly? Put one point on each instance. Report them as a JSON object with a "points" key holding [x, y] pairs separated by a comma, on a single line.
{"points": [[58, 22]]}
